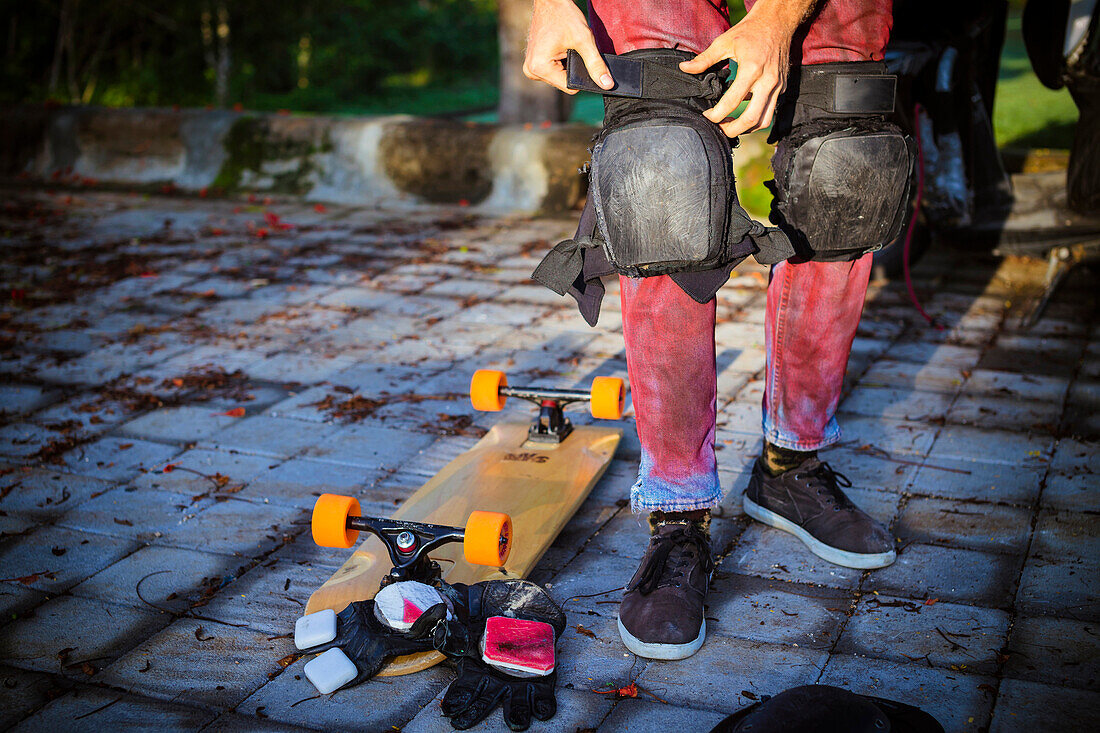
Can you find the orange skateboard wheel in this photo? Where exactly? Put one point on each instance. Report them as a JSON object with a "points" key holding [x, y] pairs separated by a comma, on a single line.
{"points": [[485, 390], [488, 539], [608, 397], [330, 520]]}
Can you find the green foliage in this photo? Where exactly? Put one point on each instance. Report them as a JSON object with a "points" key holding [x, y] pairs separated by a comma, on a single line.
{"points": [[307, 54]]}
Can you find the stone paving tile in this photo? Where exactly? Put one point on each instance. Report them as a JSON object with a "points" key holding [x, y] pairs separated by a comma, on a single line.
{"points": [[299, 482], [773, 611], [167, 578], [1063, 652], [1067, 535], [770, 553], [1072, 481], [235, 527], [12, 526], [232, 723], [22, 398], [586, 662], [372, 706], [98, 709], [1023, 386], [117, 459], [643, 715], [269, 598], [136, 514], [23, 692], [43, 494], [974, 481], [958, 701], [934, 354], [60, 558], [1023, 706], [987, 527], [193, 472], [104, 632], [368, 447], [896, 437], [177, 424], [17, 599], [1082, 416], [24, 440], [898, 404], [1060, 587], [1006, 413], [164, 666], [964, 638], [959, 442], [1033, 355], [907, 375], [949, 574], [719, 674], [589, 579], [269, 436]]}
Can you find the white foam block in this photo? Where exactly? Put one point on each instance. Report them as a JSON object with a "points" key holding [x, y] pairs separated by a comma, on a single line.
{"points": [[330, 671], [315, 628]]}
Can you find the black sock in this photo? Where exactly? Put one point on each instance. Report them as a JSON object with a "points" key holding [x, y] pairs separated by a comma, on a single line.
{"points": [[699, 517], [777, 459]]}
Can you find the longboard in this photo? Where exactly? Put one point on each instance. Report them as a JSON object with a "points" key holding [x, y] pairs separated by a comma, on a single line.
{"points": [[540, 484]]}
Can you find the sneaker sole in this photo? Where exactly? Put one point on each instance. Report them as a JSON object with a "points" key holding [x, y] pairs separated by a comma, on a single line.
{"points": [[857, 560], [651, 650]]}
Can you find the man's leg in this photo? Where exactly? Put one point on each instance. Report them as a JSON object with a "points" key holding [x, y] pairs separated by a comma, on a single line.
{"points": [[813, 310], [670, 354]]}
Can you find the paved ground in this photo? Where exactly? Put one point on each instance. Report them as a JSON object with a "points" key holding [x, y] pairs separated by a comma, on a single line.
{"points": [[182, 377]]}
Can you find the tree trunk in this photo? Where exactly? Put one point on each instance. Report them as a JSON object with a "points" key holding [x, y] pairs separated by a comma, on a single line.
{"points": [[215, 48], [523, 100], [221, 76]]}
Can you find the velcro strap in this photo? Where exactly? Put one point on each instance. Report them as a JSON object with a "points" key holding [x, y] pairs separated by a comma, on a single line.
{"points": [[562, 265], [842, 89], [642, 78]]}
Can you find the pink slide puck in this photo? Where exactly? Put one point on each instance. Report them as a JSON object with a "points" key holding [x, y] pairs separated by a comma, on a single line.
{"points": [[519, 647]]}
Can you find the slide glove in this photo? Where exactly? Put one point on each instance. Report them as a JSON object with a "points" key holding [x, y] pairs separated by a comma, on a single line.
{"points": [[369, 643], [506, 607], [479, 688]]}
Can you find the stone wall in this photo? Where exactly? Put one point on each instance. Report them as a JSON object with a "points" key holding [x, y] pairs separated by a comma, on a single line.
{"points": [[389, 160]]}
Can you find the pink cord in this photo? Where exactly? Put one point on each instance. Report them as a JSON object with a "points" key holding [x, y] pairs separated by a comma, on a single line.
{"points": [[913, 224]]}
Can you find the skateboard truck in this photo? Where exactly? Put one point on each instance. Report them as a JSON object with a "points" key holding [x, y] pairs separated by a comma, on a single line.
{"points": [[486, 539], [489, 391]]}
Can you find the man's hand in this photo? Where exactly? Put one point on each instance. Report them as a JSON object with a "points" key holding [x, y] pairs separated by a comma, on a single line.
{"points": [[760, 45], [556, 27]]}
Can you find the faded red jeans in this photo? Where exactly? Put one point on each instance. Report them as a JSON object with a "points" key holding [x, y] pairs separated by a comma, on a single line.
{"points": [[813, 308]]}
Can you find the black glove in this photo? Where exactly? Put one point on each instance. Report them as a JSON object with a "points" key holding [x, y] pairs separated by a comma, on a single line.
{"points": [[479, 688], [370, 644]]}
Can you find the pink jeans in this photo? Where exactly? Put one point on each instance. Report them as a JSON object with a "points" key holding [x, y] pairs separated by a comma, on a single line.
{"points": [[813, 308]]}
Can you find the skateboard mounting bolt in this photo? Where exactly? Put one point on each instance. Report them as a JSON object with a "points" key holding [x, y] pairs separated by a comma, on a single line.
{"points": [[406, 542]]}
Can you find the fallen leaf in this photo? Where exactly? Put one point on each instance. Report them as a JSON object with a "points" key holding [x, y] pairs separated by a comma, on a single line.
{"points": [[125, 446], [584, 632], [235, 412], [931, 601], [59, 551], [124, 522]]}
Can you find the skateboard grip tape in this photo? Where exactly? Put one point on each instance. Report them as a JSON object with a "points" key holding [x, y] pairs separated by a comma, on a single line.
{"points": [[519, 647]]}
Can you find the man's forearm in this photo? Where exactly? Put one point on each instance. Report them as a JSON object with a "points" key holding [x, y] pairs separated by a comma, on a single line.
{"points": [[788, 13]]}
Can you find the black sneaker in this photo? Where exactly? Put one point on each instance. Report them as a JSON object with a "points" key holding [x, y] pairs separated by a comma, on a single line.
{"points": [[661, 616], [807, 502]]}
